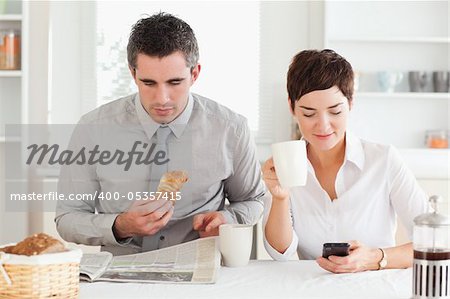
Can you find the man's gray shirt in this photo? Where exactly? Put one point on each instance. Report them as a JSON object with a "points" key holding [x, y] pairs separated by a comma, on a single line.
{"points": [[208, 141]]}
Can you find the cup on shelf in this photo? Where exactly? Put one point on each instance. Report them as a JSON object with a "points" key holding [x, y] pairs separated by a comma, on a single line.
{"points": [[436, 138], [388, 81], [417, 81], [441, 81]]}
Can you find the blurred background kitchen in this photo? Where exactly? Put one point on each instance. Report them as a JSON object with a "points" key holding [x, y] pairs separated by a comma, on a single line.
{"points": [[61, 59]]}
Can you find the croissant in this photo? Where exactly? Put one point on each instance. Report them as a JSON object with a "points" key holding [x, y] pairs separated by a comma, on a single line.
{"points": [[171, 182]]}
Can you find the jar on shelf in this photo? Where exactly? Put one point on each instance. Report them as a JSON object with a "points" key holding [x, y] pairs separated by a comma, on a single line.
{"points": [[9, 50], [436, 139]]}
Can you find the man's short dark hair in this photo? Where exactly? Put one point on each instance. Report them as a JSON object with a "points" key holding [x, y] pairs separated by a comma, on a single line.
{"points": [[312, 70], [161, 35]]}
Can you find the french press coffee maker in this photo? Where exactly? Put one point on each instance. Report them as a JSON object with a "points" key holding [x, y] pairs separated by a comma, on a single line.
{"points": [[431, 254]]}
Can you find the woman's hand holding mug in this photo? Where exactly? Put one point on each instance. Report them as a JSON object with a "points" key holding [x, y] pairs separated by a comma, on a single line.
{"points": [[287, 168], [271, 180]]}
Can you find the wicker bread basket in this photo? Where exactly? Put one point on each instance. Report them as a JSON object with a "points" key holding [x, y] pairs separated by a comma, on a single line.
{"points": [[53, 275]]}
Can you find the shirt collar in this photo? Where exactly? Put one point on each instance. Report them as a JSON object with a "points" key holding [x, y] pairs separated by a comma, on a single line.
{"points": [[354, 151], [177, 126]]}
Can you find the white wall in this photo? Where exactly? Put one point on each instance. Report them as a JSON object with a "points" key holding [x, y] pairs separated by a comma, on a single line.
{"points": [[286, 29], [70, 70]]}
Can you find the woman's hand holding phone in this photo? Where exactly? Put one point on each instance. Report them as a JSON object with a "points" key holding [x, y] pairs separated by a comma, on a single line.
{"points": [[359, 258]]}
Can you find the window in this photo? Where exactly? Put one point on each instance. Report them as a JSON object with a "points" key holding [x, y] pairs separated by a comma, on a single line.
{"points": [[228, 37]]}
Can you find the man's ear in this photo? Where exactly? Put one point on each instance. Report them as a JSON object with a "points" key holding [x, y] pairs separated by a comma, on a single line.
{"points": [[195, 73], [132, 71]]}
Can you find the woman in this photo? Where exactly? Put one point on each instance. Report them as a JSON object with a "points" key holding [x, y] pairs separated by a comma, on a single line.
{"points": [[354, 188]]}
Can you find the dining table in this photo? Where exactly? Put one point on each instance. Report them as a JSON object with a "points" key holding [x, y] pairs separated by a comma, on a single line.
{"points": [[268, 279]]}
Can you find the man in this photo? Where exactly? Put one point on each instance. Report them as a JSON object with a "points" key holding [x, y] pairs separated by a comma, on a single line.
{"points": [[209, 142]]}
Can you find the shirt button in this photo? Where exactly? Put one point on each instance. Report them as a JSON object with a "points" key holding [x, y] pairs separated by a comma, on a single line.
{"points": [[162, 238]]}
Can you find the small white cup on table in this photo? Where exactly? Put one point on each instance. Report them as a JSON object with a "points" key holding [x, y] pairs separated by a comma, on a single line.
{"points": [[235, 243]]}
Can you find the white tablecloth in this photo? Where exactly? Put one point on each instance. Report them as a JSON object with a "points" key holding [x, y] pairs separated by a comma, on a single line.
{"points": [[269, 279]]}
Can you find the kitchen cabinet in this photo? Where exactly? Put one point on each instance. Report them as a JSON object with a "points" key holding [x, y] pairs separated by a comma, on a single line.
{"points": [[392, 36], [13, 110], [12, 82]]}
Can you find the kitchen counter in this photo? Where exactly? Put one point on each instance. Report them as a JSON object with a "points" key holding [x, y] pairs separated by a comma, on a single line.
{"points": [[428, 163]]}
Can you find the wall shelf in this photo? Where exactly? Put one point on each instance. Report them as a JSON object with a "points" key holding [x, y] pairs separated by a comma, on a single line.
{"points": [[10, 17], [427, 163], [4, 139], [404, 95], [418, 39], [5, 73]]}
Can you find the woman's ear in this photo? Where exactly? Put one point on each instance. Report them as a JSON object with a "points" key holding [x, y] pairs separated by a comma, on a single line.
{"points": [[290, 107], [350, 105]]}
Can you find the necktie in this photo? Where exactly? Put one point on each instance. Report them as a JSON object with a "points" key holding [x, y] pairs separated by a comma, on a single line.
{"points": [[157, 171]]}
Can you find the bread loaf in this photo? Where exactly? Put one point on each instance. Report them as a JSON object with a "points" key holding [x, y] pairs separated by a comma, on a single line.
{"points": [[35, 245], [7, 249]]}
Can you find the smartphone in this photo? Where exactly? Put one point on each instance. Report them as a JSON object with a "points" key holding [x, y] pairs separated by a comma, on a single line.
{"points": [[338, 249]]}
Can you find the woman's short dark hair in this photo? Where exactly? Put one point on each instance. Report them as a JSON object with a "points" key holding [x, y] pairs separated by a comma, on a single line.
{"points": [[161, 35], [312, 70]]}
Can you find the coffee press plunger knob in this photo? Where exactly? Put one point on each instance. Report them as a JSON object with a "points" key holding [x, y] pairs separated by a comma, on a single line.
{"points": [[434, 200]]}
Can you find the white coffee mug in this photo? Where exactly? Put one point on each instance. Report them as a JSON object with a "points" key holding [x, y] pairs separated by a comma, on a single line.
{"points": [[235, 243], [290, 159]]}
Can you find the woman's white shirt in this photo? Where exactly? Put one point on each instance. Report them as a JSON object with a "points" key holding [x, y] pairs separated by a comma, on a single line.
{"points": [[372, 186]]}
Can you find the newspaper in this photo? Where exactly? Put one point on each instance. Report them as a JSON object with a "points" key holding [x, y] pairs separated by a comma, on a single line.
{"points": [[197, 261]]}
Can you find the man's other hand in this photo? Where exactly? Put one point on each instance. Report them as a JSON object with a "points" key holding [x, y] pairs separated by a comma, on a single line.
{"points": [[207, 224]]}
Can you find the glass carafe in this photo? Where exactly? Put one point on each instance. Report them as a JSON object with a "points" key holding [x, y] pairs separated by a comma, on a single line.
{"points": [[431, 254]]}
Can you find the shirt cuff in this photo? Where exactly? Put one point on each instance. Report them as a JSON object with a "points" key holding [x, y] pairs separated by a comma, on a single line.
{"points": [[282, 256], [110, 239], [228, 216]]}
